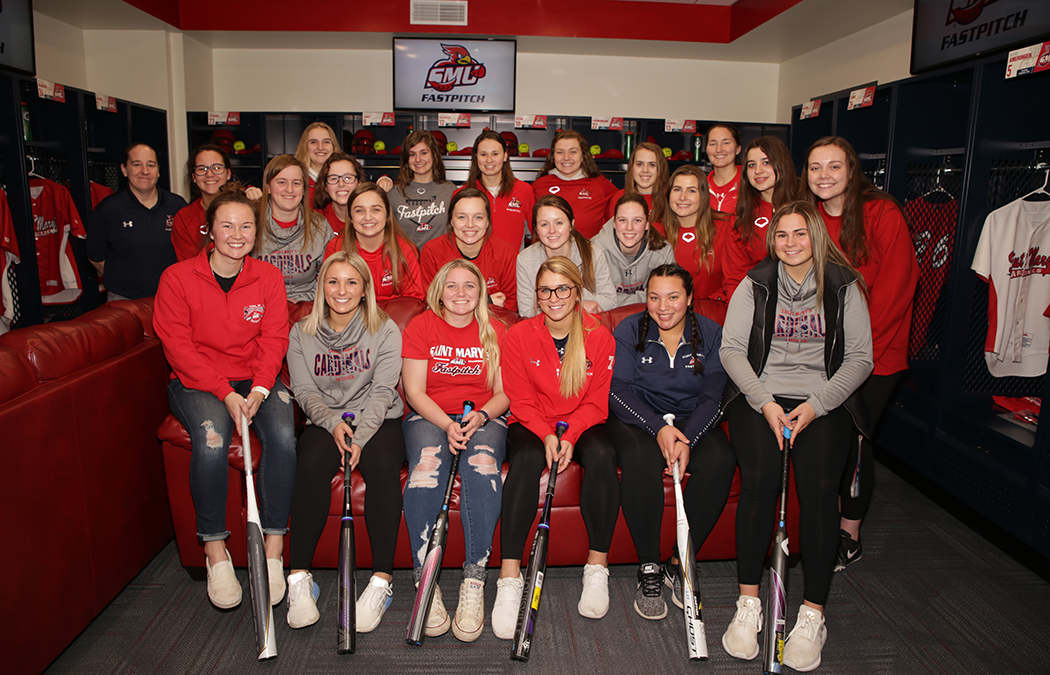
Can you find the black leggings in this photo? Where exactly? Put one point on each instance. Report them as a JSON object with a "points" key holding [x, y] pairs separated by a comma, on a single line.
{"points": [[875, 392], [819, 457], [711, 467], [380, 465], [599, 494]]}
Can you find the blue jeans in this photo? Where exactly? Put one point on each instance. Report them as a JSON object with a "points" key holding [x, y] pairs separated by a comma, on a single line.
{"points": [[211, 428], [480, 482]]}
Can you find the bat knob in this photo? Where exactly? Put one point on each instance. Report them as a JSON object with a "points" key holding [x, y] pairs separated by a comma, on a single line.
{"points": [[348, 417], [467, 407], [669, 419], [561, 427], [787, 432]]}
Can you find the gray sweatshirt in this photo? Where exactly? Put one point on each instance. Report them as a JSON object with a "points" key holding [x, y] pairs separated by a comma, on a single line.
{"points": [[629, 274], [795, 365], [422, 212], [529, 262], [352, 371], [284, 250]]}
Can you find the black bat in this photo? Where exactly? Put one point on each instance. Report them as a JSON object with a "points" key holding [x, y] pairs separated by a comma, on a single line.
{"points": [[347, 634], [530, 600], [696, 636], [258, 575], [776, 604], [428, 579]]}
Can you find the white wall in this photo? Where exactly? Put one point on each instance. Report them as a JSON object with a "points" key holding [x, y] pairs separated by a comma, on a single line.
{"points": [[354, 80], [881, 52], [59, 52]]}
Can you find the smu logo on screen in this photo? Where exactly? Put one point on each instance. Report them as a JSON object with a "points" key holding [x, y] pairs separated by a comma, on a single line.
{"points": [[458, 70]]}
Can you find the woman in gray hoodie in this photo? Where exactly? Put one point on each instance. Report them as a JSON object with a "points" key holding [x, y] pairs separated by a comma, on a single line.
{"points": [[346, 357], [797, 345], [632, 248]]}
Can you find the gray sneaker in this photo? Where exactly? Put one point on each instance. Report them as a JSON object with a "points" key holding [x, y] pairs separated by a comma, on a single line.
{"points": [[673, 580], [648, 599]]}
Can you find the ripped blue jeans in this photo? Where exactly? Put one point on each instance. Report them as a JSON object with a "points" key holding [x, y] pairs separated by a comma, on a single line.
{"points": [[210, 428], [480, 483]]}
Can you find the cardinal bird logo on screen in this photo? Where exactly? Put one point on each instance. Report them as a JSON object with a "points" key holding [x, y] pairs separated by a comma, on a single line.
{"points": [[458, 70], [964, 12]]}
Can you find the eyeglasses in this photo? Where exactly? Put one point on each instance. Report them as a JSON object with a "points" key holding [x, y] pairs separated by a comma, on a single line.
{"points": [[563, 292], [348, 178], [201, 169]]}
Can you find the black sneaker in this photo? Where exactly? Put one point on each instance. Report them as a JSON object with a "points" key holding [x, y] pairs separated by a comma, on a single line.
{"points": [[850, 552], [673, 580], [648, 599]]}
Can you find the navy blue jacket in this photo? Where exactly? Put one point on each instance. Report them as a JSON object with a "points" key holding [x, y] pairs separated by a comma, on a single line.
{"points": [[649, 384]]}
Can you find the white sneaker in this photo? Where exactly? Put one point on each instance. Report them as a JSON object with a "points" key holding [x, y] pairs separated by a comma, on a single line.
{"points": [[372, 604], [224, 590], [806, 640], [505, 610], [594, 600], [470, 612], [302, 600], [438, 622], [741, 637], [275, 570]]}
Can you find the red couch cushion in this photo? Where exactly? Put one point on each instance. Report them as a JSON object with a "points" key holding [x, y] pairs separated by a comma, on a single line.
{"points": [[16, 377]]}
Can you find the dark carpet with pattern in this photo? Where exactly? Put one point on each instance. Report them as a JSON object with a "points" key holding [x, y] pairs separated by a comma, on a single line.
{"points": [[930, 596]]}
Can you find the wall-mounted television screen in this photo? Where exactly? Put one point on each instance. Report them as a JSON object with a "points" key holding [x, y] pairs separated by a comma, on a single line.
{"points": [[454, 74], [16, 37], [947, 31]]}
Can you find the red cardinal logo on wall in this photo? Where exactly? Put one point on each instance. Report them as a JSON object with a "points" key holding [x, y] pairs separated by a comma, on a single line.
{"points": [[458, 70], [967, 11]]}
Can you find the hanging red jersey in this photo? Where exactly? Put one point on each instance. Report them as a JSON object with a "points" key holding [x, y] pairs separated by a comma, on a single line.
{"points": [[8, 256], [55, 218], [98, 193]]}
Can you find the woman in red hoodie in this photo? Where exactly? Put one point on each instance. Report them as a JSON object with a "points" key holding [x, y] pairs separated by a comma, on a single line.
{"points": [[557, 366], [771, 183], [223, 320], [868, 225], [570, 172]]}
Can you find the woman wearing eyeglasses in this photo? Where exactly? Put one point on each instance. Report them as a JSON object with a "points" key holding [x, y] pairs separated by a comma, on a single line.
{"points": [[339, 175], [207, 170], [557, 366], [292, 236]]}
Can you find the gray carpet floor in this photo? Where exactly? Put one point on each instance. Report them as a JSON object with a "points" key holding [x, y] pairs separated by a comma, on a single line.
{"points": [[929, 596]]}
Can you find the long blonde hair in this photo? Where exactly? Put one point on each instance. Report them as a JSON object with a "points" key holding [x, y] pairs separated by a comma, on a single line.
{"points": [[574, 364], [301, 149], [373, 317], [486, 334], [825, 251]]}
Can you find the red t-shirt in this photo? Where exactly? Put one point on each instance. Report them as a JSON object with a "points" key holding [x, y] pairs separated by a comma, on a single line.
{"points": [[723, 197], [511, 214], [189, 230], [740, 257], [379, 266], [455, 359], [588, 198], [497, 262]]}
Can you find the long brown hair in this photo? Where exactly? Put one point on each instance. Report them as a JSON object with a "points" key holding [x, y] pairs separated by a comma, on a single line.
{"points": [[705, 217], [859, 191], [437, 169], [663, 174], [582, 244], [573, 373], [315, 226], [825, 252], [784, 190], [393, 235], [654, 241], [506, 179], [321, 197], [590, 167]]}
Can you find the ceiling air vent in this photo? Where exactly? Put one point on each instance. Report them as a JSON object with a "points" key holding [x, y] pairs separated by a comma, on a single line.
{"points": [[439, 12]]}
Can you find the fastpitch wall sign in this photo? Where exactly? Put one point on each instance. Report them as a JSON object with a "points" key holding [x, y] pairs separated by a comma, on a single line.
{"points": [[944, 31], [454, 74]]}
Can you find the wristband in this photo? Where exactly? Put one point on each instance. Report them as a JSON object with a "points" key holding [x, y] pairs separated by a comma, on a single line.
{"points": [[485, 415], [262, 390]]}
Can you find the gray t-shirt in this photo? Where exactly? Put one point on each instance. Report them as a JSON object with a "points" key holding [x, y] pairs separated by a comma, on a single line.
{"points": [[422, 211]]}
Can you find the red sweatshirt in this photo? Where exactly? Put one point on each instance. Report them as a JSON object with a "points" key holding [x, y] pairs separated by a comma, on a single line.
{"points": [[588, 198], [211, 337], [531, 370], [188, 230], [379, 266], [723, 197], [740, 258], [497, 261], [512, 214], [707, 280], [891, 273]]}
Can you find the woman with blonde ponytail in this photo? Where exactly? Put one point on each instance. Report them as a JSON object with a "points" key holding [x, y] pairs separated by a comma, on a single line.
{"points": [[557, 366], [451, 354]]}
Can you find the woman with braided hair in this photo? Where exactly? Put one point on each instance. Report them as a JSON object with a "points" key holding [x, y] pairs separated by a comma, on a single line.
{"points": [[667, 362]]}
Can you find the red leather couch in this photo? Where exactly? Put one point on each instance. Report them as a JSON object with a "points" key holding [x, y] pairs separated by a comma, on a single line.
{"points": [[83, 481], [568, 544]]}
